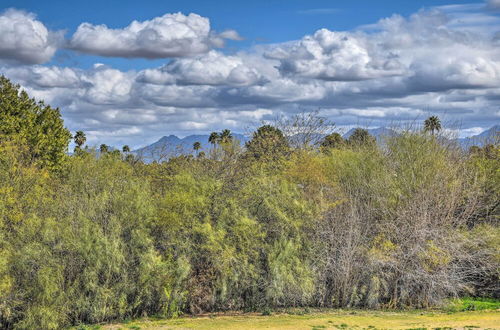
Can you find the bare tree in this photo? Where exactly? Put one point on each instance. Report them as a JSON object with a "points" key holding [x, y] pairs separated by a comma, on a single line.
{"points": [[305, 129]]}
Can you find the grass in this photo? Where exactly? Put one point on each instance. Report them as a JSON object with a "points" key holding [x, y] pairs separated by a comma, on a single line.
{"points": [[469, 314], [327, 320], [473, 304]]}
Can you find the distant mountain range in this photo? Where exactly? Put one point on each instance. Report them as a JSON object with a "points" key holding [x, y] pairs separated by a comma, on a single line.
{"points": [[172, 145], [169, 146], [491, 135]]}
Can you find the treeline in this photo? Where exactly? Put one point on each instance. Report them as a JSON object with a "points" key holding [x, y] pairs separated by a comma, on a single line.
{"points": [[101, 236]]}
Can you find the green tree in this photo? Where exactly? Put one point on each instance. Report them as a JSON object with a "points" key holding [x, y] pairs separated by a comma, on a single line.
{"points": [[79, 139], [196, 147], [103, 148], [361, 137], [267, 142], [432, 124], [334, 140], [214, 138], [225, 136], [33, 123]]}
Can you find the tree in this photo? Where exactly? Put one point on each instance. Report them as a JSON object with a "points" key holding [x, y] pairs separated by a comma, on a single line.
{"points": [[267, 142], [432, 124], [214, 138], [197, 146], [126, 149], [38, 126], [80, 139], [331, 141], [305, 129], [360, 137], [225, 136], [103, 148]]}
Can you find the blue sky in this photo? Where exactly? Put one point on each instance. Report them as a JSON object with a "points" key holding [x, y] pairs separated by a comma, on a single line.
{"points": [[373, 63], [258, 21]]}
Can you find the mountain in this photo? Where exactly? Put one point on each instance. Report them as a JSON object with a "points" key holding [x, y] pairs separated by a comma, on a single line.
{"points": [[172, 145], [491, 135]]}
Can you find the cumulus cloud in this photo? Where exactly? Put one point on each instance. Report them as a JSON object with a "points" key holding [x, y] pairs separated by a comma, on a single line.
{"points": [[336, 56], [398, 69], [24, 39], [171, 35], [231, 35], [44, 77], [213, 68]]}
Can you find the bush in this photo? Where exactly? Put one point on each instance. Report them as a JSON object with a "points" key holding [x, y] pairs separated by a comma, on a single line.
{"points": [[94, 239]]}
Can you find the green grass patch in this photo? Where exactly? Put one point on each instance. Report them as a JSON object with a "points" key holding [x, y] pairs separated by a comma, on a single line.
{"points": [[472, 304]]}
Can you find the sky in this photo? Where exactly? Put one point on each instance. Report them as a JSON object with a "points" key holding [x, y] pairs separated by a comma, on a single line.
{"points": [[130, 72]]}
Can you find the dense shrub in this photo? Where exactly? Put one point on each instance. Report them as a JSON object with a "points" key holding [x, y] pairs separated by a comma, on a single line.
{"points": [[92, 239]]}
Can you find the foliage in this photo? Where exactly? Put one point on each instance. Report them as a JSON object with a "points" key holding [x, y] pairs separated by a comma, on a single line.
{"points": [[473, 304], [107, 237], [360, 137], [34, 124], [80, 140], [334, 140], [432, 124], [268, 143]]}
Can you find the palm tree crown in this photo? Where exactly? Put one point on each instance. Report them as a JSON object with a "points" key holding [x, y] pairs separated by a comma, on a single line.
{"points": [[432, 124], [103, 148], [225, 136], [80, 138], [213, 138]]}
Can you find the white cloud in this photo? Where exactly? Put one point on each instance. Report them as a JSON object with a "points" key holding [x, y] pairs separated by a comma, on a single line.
{"points": [[231, 35], [107, 86], [45, 76], [171, 35], [23, 39], [335, 56], [213, 68], [399, 70]]}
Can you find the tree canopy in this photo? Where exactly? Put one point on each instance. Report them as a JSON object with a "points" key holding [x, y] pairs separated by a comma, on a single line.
{"points": [[33, 123], [432, 124], [405, 225], [267, 142], [361, 137]]}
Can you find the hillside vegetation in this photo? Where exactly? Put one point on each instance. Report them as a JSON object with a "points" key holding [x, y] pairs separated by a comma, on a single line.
{"points": [[102, 236]]}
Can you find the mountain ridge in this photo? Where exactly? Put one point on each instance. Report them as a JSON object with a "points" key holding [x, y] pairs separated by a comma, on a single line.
{"points": [[172, 145]]}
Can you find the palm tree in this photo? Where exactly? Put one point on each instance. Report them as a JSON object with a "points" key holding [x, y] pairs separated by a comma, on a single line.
{"points": [[196, 146], [103, 148], [126, 149], [214, 138], [226, 136], [432, 124], [80, 139]]}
